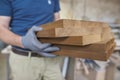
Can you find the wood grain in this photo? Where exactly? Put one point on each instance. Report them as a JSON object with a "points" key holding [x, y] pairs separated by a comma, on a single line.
{"points": [[69, 35], [80, 53], [65, 32], [76, 31], [74, 40], [96, 47], [67, 27]]}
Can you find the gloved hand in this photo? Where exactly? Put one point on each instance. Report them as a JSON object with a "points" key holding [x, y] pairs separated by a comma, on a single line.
{"points": [[30, 41]]}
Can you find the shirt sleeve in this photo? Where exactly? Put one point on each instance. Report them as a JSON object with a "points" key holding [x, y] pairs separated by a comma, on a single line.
{"points": [[5, 8], [57, 6]]}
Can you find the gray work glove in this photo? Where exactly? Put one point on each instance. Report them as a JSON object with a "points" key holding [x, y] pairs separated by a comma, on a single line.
{"points": [[30, 41]]}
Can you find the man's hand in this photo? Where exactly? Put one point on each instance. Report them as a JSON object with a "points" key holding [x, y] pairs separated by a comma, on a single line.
{"points": [[30, 41]]}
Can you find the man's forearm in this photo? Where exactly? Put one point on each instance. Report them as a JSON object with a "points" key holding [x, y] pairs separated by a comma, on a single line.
{"points": [[10, 38]]}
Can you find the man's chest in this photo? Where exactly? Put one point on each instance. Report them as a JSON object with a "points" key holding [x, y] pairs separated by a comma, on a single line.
{"points": [[33, 7]]}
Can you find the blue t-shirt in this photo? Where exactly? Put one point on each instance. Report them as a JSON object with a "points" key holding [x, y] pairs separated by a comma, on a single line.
{"points": [[26, 13]]}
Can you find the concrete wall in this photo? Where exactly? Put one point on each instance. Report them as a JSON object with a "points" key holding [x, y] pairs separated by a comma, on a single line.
{"points": [[96, 10]]}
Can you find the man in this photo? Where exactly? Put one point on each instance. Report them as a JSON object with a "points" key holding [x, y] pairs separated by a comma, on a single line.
{"points": [[29, 59]]}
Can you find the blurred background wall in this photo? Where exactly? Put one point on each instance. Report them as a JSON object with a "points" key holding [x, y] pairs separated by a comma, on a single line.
{"points": [[95, 10]]}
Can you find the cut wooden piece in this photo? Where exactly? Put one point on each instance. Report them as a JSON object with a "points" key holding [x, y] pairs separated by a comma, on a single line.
{"points": [[74, 40], [106, 33], [47, 33], [66, 27], [79, 31], [65, 32], [63, 23], [110, 51], [96, 47], [52, 25], [78, 53], [105, 36]]}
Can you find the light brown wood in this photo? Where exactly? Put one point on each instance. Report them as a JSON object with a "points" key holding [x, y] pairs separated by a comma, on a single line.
{"points": [[96, 47], [66, 34], [74, 40], [47, 33], [66, 27], [63, 23], [106, 33], [80, 53], [105, 30], [77, 31]]}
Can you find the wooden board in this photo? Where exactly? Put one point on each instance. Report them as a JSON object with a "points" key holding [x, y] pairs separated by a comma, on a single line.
{"points": [[63, 23], [110, 51], [78, 53], [79, 31], [106, 33], [74, 40], [65, 32], [96, 47], [63, 28], [105, 36]]}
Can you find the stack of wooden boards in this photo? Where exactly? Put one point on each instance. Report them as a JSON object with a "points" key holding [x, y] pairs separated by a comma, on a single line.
{"points": [[81, 39]]}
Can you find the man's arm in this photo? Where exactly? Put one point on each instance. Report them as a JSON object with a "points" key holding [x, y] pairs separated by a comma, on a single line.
{"points": [[57, 16], [9, 37], [29, 41], [6, 35]]}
